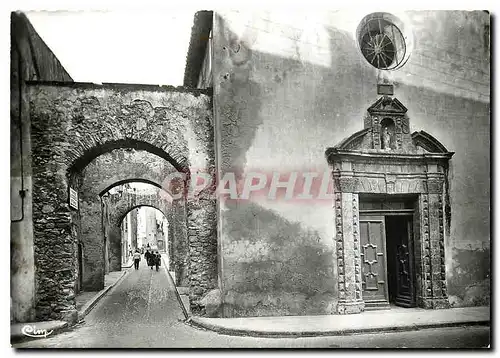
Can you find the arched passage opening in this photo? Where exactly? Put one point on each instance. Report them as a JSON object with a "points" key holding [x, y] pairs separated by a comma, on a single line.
{"points": [[122, 202], [112, 171], [150, 227]]}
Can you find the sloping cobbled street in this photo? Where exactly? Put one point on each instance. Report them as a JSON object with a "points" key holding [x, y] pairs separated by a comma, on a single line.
{"points": [[142, 311]]}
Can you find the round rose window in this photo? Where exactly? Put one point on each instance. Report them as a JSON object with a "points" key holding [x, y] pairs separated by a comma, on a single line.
{"points": [[383, 43]]}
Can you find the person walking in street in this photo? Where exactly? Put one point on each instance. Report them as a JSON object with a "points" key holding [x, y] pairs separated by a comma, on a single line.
{"points": [[157, 260], [137, 258], [149, 258]]}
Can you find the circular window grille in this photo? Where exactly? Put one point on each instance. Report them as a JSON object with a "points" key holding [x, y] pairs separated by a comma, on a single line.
{"points": [[382, 43]]}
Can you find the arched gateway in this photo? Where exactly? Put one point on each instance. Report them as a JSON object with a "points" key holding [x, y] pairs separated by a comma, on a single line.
{"points": [[391, 193], [74, 123]]}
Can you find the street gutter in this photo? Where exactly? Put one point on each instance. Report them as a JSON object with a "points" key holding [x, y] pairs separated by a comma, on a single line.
{"points": [[177, 294]]}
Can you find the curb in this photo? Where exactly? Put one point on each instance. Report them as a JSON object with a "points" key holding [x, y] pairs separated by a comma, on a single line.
{"points": [[93, 301], [194, 321], [184, 309], [128, 264], [20, 338]]}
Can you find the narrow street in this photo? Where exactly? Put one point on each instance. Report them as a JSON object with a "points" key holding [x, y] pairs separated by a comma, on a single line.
{"points": [[142, 311]]}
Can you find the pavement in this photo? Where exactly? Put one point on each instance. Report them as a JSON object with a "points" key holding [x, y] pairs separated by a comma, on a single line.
{"points": [[143, 311], [129, 263], [394, 319], [139, 312], [84, 301]]}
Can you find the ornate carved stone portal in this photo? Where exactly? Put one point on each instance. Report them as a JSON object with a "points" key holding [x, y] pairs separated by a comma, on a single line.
{"points": [[390, 192]]}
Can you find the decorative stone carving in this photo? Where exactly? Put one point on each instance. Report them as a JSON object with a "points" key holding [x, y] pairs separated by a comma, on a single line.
{"points": [[390, 181], [357, 248], [426, 243], [346, 185], [435, 186], [340, 245], [388, 105], [405, 125], [442, 273], [370, 185], [414, 164], [348, 254], [386, 139]]}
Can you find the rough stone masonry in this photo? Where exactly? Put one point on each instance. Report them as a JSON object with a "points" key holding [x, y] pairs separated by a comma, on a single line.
{"points": [[74, 123]]}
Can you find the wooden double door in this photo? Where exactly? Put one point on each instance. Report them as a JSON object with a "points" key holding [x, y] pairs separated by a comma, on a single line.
{"points": [[387, 262]]}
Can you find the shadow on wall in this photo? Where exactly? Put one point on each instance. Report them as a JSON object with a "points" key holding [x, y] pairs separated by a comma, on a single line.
{"points": [[240, 97], [277, 267], [300, 107], [275, 111], [469, 283]]}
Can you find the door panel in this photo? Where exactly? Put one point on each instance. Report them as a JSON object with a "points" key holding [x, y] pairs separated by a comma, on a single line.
{"points": [[373, 261], [400, 260], [404, 280]]}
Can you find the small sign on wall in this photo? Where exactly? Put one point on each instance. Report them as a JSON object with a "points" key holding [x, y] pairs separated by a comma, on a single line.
{"points": [[385, 89], [73, 198]]}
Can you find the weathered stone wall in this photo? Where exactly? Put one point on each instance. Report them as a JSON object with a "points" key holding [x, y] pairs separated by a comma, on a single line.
{"points": [[179, 243], [30, 59], [106, 227], [91, 236], [285, 89], [470, 277], [72, 125], [125, 165], [202, 270]]}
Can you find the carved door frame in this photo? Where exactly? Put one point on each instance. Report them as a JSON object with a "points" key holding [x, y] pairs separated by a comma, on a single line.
{"points": [[417, 164]]}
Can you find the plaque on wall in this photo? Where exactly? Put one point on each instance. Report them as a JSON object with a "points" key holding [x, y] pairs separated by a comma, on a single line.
{"points": [[385, 89]]}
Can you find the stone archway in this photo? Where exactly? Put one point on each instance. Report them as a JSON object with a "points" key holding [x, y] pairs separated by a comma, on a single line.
{"points": [[408, 164], [108, 170], [74, 123], [119, 204]]}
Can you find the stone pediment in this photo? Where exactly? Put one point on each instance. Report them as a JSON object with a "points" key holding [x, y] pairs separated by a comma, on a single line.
{"points": [[387, 131], [355, 141], [386, 105], [427, 142], [361, 141]]}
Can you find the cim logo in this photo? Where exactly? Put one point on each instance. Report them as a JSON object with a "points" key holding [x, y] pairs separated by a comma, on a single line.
{"points": [[32, 331]]}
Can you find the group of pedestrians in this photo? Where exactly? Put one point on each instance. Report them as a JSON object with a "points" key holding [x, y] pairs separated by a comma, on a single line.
{"points": [[153, 258]]}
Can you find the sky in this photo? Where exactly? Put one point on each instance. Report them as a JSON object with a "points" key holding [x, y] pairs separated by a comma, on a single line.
{"points": [[124, 46]]}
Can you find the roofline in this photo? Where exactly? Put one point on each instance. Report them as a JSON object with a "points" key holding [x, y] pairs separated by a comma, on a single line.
{"points": [[200, 32], [20, 22], [122, 86]]}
